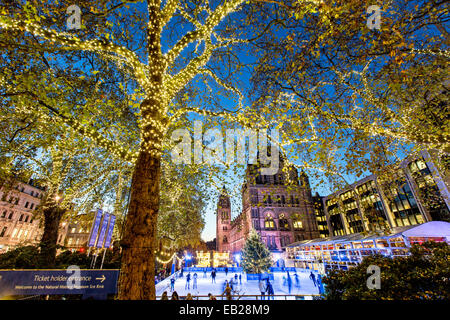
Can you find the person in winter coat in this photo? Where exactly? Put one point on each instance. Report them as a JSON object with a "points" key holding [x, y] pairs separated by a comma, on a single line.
{"points": [[227, 292], [262, 289], [269, 290]]}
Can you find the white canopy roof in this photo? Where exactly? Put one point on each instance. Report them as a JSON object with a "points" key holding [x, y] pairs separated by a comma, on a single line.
{"points": [[429, 229]]}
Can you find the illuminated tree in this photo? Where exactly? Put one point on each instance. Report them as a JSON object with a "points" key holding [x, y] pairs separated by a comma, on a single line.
{"points": [[156, 69], [256, 258], [356, 99]]}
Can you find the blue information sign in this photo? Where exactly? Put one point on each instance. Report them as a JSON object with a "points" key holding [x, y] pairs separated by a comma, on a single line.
{"points": [[112, 221], [95, 227], [101, 237], [35, 282]]}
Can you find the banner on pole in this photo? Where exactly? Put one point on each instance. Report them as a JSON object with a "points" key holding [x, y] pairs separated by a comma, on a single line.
{"points": [[112, 221], [102, 234], [94, 228]]}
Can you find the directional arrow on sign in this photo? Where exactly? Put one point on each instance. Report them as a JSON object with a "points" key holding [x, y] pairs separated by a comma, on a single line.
{"points": [[103, 278]]}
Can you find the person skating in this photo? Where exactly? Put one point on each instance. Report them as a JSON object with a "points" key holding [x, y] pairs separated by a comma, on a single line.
{"points": [[289, 283], [313, 278], [240, 279], [204, 272], [188, 279], [319, 283], [226, 271], [213, 276], [172, 284], [262, 288], [297, 281], [194, 282], [269, 290]]}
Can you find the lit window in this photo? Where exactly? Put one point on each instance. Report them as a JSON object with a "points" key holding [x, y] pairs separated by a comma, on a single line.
{"points": [[298, 224]]}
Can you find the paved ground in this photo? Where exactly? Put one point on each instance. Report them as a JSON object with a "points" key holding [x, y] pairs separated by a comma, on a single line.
{"points": [[305, 285]]}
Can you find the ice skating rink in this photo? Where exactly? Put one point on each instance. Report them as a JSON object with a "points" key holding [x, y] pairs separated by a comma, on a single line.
{"points": [[304, 286]]}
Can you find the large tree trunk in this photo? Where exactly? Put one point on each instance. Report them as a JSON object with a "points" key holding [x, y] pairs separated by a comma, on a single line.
{"points": [[49, 240], [137, 273]]}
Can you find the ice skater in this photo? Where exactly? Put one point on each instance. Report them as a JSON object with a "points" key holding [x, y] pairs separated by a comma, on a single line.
{"points": [[188, 279], [204, 273], [213, 276], [226, 271], [240, 279], [269, 290], [313, 278], [262, 289], [194, 282], [297, 281], [289, 283], [172, 284]]}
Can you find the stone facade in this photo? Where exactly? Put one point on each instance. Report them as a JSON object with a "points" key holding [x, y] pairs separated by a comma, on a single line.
{"points": [[279, 207], [19, 222]]}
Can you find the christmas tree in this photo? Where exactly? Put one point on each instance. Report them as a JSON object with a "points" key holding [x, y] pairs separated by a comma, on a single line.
{"points": [[256, 258]]}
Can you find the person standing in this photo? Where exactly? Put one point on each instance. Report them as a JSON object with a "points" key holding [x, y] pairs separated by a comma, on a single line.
{"points": [[313, 278], [175, 296], [188, 279], [172, 284], [262, 288], [319, 284], [226, 271], [164, 296], [240, 279], [189, 297], [297, 281], [194, 283], [227, 292], [269, 290], [289, 283], [204, 272], [213, 276]]}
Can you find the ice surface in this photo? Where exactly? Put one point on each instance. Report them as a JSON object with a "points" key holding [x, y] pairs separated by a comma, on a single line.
{"points": [[305, 285]]}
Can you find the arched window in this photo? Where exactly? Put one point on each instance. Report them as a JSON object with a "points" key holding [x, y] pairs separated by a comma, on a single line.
{"points": [[297, 222], [284, 224], [269, 223], [225, 240]]}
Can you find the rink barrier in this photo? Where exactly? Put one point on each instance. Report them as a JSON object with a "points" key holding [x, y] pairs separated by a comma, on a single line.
{"points": [[255, 297], [239, 269]]}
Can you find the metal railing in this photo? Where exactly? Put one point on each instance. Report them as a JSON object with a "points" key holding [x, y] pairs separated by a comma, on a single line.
{"points": [[254, 296]]}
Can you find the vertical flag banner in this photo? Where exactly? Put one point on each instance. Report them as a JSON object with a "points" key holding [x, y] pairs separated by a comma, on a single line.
{"points": [[95, 227], [101, 236], [112, 221]]}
